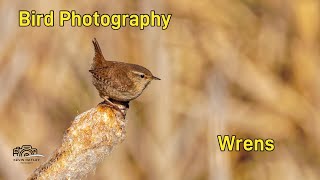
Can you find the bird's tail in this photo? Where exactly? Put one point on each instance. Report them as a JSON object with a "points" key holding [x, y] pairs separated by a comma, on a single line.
{"points": [[98, 59]]}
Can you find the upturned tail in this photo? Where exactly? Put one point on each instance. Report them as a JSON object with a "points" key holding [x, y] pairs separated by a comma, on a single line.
{"points": [[98, 59]]}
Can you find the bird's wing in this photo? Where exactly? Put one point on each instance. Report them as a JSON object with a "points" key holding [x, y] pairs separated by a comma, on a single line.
{"points": [[113, 77], [120, 79], [101, 73]]}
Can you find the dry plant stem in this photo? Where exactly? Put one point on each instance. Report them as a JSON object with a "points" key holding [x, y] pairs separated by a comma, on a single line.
{"points": [[89, 139]]}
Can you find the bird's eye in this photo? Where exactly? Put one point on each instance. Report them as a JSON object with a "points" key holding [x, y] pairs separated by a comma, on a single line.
{"points": [[142, 75]]}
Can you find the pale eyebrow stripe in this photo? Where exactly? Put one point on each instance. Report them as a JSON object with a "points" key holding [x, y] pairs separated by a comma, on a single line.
{"points": [[139, 73]]}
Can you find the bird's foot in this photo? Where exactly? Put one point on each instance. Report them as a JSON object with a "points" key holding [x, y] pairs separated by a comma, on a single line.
{"points": [[122, 109]]}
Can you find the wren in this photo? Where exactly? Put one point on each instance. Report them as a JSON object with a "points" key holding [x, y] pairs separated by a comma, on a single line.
{"points": [[118, 81]]}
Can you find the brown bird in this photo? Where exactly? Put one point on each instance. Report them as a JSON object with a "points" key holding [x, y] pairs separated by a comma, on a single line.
{"points": [[118, 80]]}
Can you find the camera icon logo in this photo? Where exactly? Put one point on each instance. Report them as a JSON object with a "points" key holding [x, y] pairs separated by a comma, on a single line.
{"points": [[25, 151]]}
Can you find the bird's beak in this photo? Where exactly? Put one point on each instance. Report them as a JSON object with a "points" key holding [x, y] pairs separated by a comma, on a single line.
{"points": [[155, 78]]}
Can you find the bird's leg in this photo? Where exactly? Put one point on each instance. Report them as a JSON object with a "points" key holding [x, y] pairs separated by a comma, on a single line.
{"points": [[112, 105]]}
